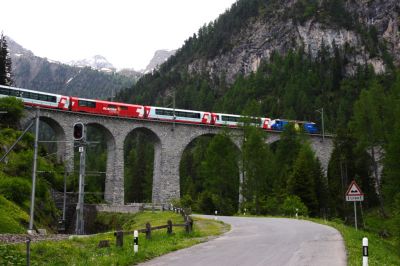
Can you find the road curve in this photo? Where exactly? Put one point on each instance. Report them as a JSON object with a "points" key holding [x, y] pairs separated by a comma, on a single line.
{"points": [[264, 241]]}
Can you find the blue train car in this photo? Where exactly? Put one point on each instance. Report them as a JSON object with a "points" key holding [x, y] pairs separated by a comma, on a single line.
{"points": [[308, 127]]}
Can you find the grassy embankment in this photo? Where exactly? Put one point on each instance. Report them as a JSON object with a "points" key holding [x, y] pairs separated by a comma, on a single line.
{"points": [[12, 217], [382, 251], [84, 250]]}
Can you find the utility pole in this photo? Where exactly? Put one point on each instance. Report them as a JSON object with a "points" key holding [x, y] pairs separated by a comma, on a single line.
{"points": [[30, 229], [62, 228]]}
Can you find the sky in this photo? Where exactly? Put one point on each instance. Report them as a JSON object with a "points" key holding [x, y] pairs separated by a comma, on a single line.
{"points": [[126, 32]]}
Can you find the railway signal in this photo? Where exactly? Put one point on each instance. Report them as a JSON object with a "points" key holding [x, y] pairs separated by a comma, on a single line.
{"points": [[79, 131]]}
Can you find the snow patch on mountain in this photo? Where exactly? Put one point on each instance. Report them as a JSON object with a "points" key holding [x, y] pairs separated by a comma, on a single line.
{"points": [[98, 62]]}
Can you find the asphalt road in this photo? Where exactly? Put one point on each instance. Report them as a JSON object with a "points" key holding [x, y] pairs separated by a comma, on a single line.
{"points": [[264, 241]]}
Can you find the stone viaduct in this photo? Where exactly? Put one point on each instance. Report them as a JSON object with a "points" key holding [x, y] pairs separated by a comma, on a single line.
{"points": [[170, 140]]}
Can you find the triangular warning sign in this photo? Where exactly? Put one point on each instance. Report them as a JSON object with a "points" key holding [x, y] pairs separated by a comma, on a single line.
{"points": [[354, 189]]}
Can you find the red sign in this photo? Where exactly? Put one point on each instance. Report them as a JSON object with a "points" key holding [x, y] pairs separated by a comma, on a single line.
{"points": [[354, 192]]}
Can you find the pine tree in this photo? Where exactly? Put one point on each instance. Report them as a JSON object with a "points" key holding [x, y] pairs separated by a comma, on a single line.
{"points": [[5, 63], [368, 124], [302, 181], [220, 173], [257, 160]]}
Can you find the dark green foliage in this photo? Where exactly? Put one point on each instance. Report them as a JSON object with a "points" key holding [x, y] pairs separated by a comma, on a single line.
{"points": [[191, 180], [210, 175], [328, 12], [258, 167], [13, 111], [286, 151], [15, 189], [6, 77], [293, 205], [16, 175], [139, 160], [96, 161], [391, 181], [396, 214], [220, 173], [302, 181], [368, 125]]}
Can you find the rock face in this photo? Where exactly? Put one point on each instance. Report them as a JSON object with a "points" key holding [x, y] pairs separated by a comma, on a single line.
{"points": [[160, 56], [281, 33]]}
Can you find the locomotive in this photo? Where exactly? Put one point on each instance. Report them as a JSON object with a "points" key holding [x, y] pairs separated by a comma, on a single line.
{"points": [[108, 108]]}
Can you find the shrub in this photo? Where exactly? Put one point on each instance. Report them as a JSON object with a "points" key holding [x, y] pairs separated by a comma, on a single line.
{"points": [[206, 203], [186, 201], [15, 189], [396, 212], [293, 204], [14, 108]]}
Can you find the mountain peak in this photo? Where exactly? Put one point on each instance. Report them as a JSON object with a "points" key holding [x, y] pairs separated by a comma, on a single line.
{"points": [[160, 56], [98, 62]]}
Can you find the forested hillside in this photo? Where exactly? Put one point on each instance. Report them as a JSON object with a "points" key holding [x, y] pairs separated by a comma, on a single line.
{"points": [[281, 59], [288, 59]]}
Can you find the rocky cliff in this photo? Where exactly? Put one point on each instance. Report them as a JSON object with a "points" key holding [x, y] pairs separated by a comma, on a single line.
{"points": [[367, 29]]}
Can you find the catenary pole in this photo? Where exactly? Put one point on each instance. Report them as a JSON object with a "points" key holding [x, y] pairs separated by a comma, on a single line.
{"points": [[30, 230]]}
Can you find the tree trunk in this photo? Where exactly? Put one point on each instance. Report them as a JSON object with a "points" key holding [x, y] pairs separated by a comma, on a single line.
{"points": [[377, 182]]}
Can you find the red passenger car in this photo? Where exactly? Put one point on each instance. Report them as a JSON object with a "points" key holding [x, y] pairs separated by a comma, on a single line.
{"points": [[106, 108]]}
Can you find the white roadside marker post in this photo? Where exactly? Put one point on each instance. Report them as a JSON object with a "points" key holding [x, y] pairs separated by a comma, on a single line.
{"points": [[216, 218], [365, 251], [135, 241]]}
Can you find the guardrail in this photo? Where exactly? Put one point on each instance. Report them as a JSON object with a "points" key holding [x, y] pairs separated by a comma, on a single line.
{"points": [[188, 224]]}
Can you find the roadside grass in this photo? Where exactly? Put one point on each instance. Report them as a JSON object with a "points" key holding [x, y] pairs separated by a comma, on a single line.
{"points": [[13, 218], [382, 252], [84, 250]]}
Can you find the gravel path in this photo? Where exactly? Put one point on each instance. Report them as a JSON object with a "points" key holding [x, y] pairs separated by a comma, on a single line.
{"points": [[21, 238]]}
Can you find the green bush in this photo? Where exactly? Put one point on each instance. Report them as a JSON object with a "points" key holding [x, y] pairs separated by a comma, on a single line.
{"points": [[186, 201], [272, 206], [15, 189], [396, 212], [293, 205], [14, 108], [205, 203]]}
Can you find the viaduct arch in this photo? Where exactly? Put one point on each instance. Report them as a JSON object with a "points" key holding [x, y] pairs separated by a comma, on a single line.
{"points": [[170, 142]]}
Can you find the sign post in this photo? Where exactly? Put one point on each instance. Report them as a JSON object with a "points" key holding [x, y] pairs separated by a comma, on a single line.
{"points": [[354, 194]]}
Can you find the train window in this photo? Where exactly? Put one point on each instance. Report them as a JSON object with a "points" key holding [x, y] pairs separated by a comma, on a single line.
{"points": [[14, 93], [43, 97], [230, 118], [164, 112], [177, 113], [90, 104], [187, 114], [34, 96], [4, 91], [112, 106], [123, 108]]}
